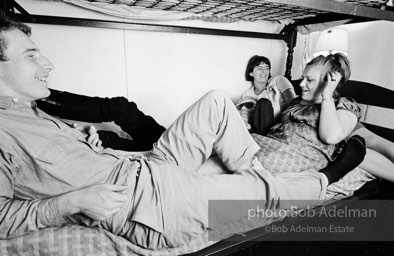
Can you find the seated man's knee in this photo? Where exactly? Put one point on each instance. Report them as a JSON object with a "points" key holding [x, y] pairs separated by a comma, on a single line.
{"points": [[216, 95]]}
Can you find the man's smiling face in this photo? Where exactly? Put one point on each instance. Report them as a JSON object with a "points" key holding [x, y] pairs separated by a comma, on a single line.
{"points": [[24, 74]]}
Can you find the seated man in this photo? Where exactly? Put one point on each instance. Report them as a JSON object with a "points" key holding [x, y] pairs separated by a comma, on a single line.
{"points": [[50, 175]]}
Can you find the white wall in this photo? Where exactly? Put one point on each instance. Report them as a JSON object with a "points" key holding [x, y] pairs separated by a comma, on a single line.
{"points": [[162, 72], [166, 77], [165, 72], [371, 52]]}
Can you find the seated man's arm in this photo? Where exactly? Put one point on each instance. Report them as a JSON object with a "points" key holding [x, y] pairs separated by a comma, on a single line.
{"points": [[19, 216]]}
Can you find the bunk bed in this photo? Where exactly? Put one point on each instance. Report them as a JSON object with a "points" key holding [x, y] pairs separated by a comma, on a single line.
{"points": [[77, 240], [294, 14]]}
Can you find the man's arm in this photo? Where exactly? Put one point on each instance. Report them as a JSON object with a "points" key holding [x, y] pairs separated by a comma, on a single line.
{"points": [[18, 216], [97, 202]]}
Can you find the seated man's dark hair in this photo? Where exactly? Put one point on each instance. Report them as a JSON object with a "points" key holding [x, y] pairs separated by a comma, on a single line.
{"points": [[7, 24]]}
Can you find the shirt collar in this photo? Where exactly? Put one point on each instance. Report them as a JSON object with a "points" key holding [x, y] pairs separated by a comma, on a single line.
{"points": [[7, 102]]}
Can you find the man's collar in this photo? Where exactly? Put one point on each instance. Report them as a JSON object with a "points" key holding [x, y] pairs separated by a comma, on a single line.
{"points": [[8, 102]]}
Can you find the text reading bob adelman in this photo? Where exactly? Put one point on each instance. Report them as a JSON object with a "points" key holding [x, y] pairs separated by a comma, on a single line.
{"points": [[352, 220]]}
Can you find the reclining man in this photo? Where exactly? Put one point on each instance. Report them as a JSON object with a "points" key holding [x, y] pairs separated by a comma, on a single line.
{"points": [[50, 175]]}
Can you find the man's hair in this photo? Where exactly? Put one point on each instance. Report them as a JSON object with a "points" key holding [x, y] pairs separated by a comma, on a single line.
{"points": [[253, 62], [7, 24]]}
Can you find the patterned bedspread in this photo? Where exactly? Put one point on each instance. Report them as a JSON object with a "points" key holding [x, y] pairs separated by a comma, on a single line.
{"points": [[81, 241], [68, 240]]}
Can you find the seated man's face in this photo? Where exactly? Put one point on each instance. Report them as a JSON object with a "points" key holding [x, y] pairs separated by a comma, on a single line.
{"points": [[24, 74], [245, 110]]}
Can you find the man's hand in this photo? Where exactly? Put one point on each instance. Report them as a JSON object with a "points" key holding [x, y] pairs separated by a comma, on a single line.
{"points": [[92, 136], [98, 202]]}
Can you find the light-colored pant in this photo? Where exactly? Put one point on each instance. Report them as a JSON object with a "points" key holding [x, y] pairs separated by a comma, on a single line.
{"points": [[212, 124]]}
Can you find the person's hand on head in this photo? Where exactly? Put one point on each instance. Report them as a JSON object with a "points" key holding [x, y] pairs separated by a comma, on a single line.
{"points": [[331, 82]]}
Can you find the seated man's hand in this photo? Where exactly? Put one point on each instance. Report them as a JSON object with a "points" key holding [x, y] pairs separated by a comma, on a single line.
{"points": [[98, 202], [92, 136]]}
